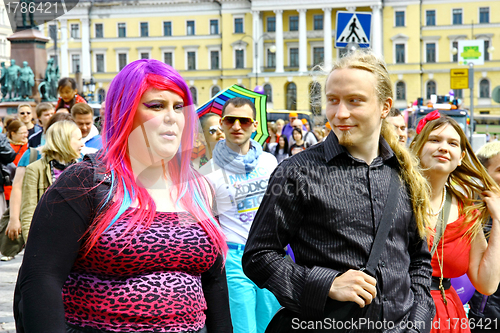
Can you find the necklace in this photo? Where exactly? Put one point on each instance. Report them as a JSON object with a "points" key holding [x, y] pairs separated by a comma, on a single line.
{"points": [[442, 204], [441, 263]]}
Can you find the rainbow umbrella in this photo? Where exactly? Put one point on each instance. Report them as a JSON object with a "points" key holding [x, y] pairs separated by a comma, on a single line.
{"points": [[216, 103]]}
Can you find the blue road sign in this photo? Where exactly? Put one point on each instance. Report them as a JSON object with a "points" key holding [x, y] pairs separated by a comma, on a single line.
{"points": [[353, 27]]}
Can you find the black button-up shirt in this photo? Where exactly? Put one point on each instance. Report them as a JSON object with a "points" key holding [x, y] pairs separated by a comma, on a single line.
{"points": [[327, 205]]}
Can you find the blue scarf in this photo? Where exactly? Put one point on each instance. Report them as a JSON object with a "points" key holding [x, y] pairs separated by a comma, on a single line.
{"points": [[228, 160]]}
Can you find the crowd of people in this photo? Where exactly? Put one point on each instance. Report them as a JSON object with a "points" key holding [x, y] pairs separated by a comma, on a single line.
{"points": [[135, 228]]}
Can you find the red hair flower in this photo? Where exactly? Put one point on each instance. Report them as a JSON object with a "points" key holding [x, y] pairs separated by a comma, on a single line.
{"points": [[431, 116]]}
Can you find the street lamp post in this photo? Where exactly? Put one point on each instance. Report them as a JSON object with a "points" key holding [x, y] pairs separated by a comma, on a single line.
{"points": [[89, 86], [272, 48]]}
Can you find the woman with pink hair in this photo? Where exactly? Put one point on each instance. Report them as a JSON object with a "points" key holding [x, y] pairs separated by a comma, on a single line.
{"points": [[126, 241]]}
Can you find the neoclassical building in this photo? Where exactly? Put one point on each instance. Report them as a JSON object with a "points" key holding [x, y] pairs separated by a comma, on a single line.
{"points": [[274, 43]]}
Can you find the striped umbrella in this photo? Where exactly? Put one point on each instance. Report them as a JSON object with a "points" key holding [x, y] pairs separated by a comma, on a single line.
{"points": [[216, 103]]}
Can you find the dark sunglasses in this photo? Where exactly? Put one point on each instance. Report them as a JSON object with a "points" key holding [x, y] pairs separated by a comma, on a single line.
{"points": [[244, 121], [213, 129], [24, 113]]}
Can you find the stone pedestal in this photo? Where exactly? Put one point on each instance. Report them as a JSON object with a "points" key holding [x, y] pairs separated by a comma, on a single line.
{"points": [[8, 108], [29, 45]]}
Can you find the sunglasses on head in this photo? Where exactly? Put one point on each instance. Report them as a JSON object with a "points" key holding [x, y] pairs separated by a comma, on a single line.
{"points": [[213, 129], [24, 113], [230, 120]]}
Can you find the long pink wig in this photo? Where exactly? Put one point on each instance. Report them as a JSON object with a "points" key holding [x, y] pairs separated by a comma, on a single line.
{"points": [[122, 101]]}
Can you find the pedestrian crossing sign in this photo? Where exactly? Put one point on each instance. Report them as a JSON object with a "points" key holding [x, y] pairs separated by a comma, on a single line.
{"points": [[353, 27]]}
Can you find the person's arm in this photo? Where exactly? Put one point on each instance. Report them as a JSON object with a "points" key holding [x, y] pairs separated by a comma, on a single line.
{"points": [[29, 198], [214, 285], [299, 288], [484, 271], [14, 227], [60, 220], [420, 275]]}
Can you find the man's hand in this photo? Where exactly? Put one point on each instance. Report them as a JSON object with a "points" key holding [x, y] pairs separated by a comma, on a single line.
{"points": [[13, 229], [354, 286]]}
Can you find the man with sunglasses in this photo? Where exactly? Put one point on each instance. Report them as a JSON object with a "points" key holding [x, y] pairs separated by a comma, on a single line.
{"points": [[239, 172], [25, 114]]}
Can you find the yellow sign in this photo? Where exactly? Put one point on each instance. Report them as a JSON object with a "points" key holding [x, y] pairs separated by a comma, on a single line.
{"points": [[459, 78]]}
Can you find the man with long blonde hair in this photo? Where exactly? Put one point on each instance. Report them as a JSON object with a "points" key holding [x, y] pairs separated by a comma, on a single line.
{"points": [[327, 203]]}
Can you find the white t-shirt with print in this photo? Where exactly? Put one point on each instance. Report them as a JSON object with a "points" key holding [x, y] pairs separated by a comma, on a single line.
{"points": [[238, 196]]}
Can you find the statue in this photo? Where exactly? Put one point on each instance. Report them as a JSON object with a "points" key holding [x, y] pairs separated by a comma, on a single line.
{"points": [[26, 81], [52, 79], [30, 13], [3, 80], [12, 79]]}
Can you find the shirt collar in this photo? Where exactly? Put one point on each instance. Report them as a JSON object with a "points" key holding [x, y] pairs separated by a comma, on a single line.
{"points": [[333, 148]]}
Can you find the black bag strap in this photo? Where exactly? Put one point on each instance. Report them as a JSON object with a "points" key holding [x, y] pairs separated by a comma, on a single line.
{"points": [[385, 224], [441, 222]]}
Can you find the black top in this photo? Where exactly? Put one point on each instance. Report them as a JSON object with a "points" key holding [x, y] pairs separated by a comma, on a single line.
{"points": [[59, 224], [327, 205]]}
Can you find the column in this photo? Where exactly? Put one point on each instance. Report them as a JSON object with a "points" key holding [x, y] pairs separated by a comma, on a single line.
{"points": [[261, 50], [64, 61], [255, 52], [279, 41], [377, 44], [302, 40], [327, 36], [86, 73]]}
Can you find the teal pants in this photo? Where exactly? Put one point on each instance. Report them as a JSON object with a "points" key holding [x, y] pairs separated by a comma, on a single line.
{"points": [[252, 308]]}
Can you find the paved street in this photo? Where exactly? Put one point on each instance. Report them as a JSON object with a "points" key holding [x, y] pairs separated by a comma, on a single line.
{"points": [[8, 275]]}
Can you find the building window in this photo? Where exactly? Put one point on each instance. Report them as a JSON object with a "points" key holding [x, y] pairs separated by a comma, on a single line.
{"points": [[343, 51], [239, 59], [53, 31], [194, 95], [430, 17], [144, 29], [191, 58], [318, 22], [167, 28], [315, 96], [75, 63], [486, 47], [122, 30], [144, 55], [484, 88], [455, 46], [99, 63], [190, 28], [430, 52], [268, 90], [271, 59], [214, 59], [318, 55], [75, 31], [294, 57], [484, 15], [238, 25], [457, 16], [291, 96], [214, 91], [214, 27], [458, 93], [400, 91], [99, 30], [400, 53], [271, 24], [167, 58], [294, 23], [400, 19], [122, 60], [431, 89]]}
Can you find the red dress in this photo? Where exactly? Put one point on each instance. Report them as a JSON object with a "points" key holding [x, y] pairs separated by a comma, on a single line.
{"points": [[451, 317]]}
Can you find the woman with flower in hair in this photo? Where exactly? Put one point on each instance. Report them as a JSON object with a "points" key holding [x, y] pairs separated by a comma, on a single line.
{"points": [[126, 241], [463, 196]]}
